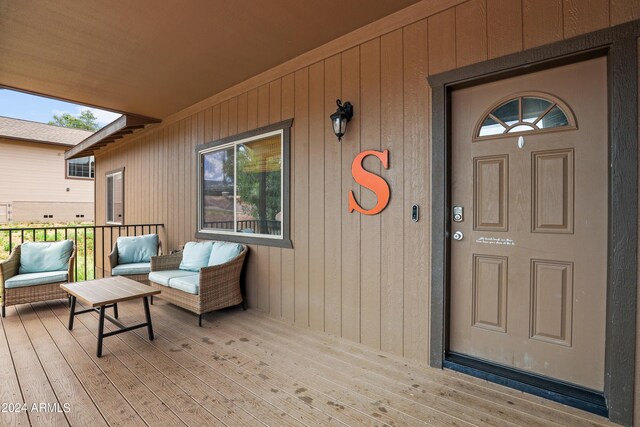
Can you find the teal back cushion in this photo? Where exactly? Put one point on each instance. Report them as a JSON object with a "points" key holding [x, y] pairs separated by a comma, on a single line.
{"points": [[38, 257], [223, 252], [195, 255], [137, 249]]}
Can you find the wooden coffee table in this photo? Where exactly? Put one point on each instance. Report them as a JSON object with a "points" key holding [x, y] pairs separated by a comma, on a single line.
{"points": [[101, 294]]}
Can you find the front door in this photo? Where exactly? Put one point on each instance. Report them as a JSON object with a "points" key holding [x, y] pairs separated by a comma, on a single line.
{"points": [[529, 223]]}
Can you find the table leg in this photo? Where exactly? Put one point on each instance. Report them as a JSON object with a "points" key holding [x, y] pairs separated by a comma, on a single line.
{"points": [[100, 331], [147, 314], [72, 310], [115, 310]]}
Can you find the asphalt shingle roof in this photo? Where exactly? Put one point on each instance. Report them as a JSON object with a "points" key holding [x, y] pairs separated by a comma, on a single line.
{"points": [[40, 132]]}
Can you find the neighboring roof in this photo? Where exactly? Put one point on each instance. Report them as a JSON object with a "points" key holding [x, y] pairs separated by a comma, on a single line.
{"points": [[155, 58], [40, 132], [117, 129]]}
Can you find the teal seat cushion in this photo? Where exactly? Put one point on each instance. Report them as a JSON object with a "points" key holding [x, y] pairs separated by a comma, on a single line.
{"points": [[37, 257], [31, 279], [134, 268], [223, 252], [163, 277], [195, 255], [136, 249], [190, 284]]}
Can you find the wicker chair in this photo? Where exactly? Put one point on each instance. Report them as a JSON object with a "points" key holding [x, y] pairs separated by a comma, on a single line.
{"points": [[219, 285], [142, 278], [35, 293]]}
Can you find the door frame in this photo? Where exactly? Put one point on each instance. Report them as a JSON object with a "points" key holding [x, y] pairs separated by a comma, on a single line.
{"points": [[620, 45]]}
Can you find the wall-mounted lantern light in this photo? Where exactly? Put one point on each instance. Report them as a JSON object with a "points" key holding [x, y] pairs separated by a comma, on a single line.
{"points": [[341, 117]]}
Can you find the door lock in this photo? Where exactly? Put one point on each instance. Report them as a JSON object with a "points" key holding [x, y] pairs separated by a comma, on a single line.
{"points": [[458, 213], [458, 235]]}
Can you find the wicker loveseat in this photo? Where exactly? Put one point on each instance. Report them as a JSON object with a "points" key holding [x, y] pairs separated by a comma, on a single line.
{"points": [[201, 289], [20, 284]]}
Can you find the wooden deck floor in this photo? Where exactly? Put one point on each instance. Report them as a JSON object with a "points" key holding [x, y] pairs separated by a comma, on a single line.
{"points": [[239, 369]]}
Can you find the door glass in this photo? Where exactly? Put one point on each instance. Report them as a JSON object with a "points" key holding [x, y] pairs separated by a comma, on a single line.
{"points": [[524, 113], [521, 128], [491, 127], [553, 119], [509, 112], [532, 108]]}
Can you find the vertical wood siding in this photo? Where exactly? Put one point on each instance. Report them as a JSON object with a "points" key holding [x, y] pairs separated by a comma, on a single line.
{"points": [[361, 277]]}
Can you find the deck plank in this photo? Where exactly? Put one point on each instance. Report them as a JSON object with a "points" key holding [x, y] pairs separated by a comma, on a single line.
{"points": [[177, 400], [239, 369], [290, 405], [406, 394], [420, 414], [235, 391], [64, 382], [10, 390], [113, 406], [206, 393], [386, 362], [280, 381], [437, 410], [152, 410], [34, 383], [337, 399]]}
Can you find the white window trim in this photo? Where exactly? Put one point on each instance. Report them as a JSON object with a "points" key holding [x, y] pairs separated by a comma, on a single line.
{"points": [[69, 176], [106, 213]]}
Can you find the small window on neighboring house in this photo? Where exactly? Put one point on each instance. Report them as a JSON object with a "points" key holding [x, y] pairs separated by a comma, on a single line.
{"points": [[243, 187], [525, 113], [81, 168], [115, 197]]}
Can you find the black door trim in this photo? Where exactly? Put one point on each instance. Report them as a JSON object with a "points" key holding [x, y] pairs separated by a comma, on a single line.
{"points": [[620, 45], [538, 385]]}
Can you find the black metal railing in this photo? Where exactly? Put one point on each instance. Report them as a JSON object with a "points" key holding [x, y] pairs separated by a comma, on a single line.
{"points": [[84, 237], [248, 225]]}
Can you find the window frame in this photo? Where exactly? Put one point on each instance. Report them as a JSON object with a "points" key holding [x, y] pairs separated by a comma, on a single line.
{"points": [[113, 173], [284, 239], [91, 178]]}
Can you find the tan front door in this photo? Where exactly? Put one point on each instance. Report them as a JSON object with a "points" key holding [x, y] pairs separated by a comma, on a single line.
{"points": [[528, 273]]}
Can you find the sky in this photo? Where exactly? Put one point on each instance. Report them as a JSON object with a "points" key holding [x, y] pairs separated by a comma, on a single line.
{"points": [[23, 106]]}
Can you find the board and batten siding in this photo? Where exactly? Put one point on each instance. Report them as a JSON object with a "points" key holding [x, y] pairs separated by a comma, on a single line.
{"points": [[365, 278]]}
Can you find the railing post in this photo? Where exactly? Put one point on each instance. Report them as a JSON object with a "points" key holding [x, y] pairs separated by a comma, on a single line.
{"points": [[85, 253], [102, 254], [75, 238]]}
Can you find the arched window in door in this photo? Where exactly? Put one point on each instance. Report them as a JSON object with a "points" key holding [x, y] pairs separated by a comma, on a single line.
{"points": [[524, 113]]}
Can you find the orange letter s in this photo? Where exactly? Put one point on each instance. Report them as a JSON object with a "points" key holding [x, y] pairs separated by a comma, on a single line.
{"points": [[371, 181]]}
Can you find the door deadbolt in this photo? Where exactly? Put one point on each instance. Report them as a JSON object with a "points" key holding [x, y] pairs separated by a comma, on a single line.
{"points": [[458, 235], [458, 213]]}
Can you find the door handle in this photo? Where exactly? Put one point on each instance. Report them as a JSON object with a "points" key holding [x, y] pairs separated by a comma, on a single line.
{"points": [[458, 235]]}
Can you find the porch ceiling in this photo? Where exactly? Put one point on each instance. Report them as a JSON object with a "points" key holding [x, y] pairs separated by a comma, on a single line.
{"points": [[154, 58]]}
